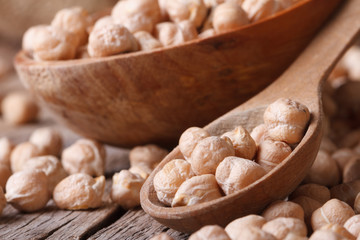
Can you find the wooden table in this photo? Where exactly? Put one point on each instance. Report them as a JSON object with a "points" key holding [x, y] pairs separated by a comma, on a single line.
{"points": [[108, 222]]}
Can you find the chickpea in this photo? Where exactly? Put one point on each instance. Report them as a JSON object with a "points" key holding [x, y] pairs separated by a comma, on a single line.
{"points": [[338, 229], [259, 133], [254, 233], [2, 200], [210, 232], [342, 156], [169, 178], [161, 236], [74, 20], [271, 153], [234, 174], [351, 60], [346, 191], [234, 228], [315, 191], [54, 44], [352, 138], [48, 140], [213, 3], [325, 234], [351, 170], [51, 166], [143, 170], [84, 156], [192, 10], [283, 209], [285, 119], [293, 236], [146, 41], [6, 146], [197, 189], [229, 16], [327, 145], [18, 108], [5, 173], [324, 171], [357, 203], [333, 211], [190, 138], [353, 225], [261, 9], [79, 191], [208, 154], [170, 33], [111, 39], [27, 190], [207, 33], [244, 145], [282, 226], [309, 205], [21, 153], [125, 189], [102, 22], [30, 36], [137, 15], [148, 155]]}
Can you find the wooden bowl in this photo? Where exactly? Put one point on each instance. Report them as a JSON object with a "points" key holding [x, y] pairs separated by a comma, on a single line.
{"points": [[152, 97]]}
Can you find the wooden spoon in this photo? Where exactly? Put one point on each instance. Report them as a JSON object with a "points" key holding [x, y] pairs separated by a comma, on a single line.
{"points": [[152, 97], [302, 82]]}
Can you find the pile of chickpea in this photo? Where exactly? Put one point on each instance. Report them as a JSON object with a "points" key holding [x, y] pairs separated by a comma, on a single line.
{"points": [[135, 25]]}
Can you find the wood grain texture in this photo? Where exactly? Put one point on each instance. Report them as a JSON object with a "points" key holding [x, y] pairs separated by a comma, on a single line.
{"points": [[152, 97], [302, 82]]}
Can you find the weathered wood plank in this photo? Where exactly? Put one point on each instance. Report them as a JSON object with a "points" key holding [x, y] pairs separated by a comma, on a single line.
{"points": [[135, 224]]}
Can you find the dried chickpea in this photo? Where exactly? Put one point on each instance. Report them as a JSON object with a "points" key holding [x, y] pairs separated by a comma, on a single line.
{"points": [[342, 156], [357, 203], [213, 3], [351, 60], [148, 155], [234, 174], [234, 228], [137, 15], [192, 10], [146, 41], [54, 44], [5, 173], [51, 166], [259, 133], [286, 120], [207, 33], [161, 236], [338, 229], [293, 236], [327, 145], [111, 39], [170, 33], [169, 178], [353, 225], [6, 147], [271, 153], [79, 191], [325, 234], [48, 140], [18, 108], [210, 232], [102, 22], [333, 211], [280, 227], [143, 170], [27, 190], [351, 139], [30, 37], [346, 191], [324, 171], [208, 154], [197, 189], [190, 138], [261, 9], [74, 20], [315, 191], [125, 189], [309, 205], [229, 16], [351, 170], [244, 145], [283, 209], [254, 233], [21, 153], [84, 156], [2, 200]]}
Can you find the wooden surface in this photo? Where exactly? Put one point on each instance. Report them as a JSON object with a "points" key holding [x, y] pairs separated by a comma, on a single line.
{"points": [[152, 97], [108, 222], [302, 82]]}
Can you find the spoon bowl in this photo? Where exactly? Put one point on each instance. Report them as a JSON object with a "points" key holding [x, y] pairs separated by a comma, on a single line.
{"points": [[152, 97], [301, 82]]}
